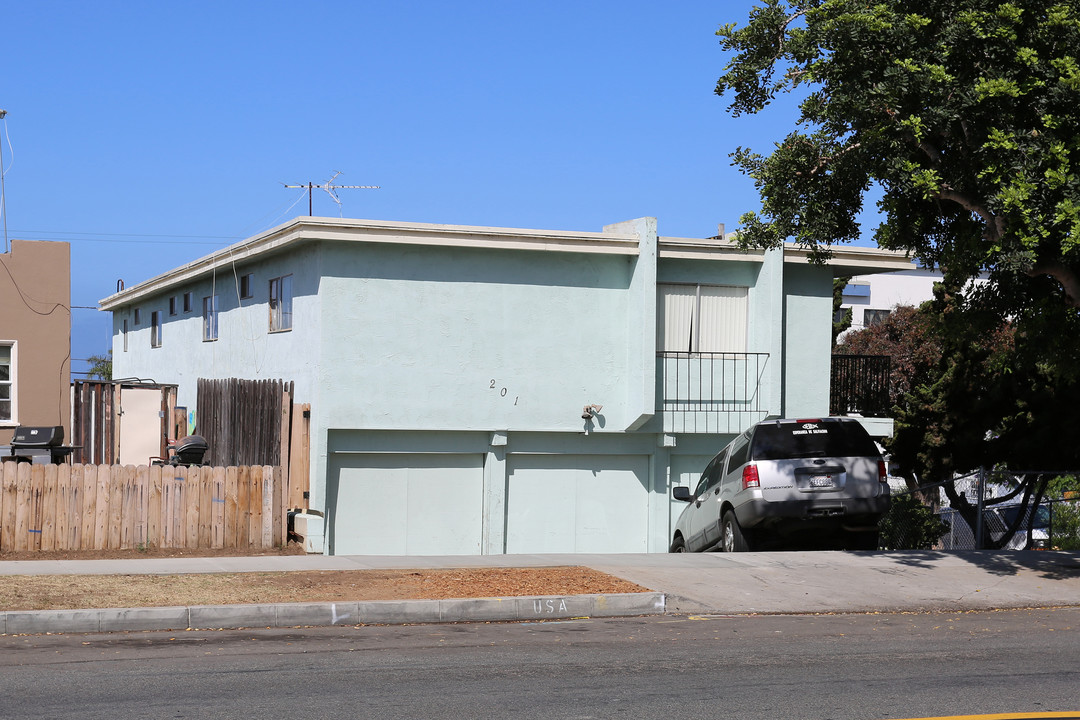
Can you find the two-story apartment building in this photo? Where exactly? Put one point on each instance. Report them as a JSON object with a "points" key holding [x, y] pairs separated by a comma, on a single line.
{"points": [[35, 336], [490, 390]]}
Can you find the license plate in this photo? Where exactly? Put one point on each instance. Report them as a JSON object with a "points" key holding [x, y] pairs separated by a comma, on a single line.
{"points": [[821, 481]]}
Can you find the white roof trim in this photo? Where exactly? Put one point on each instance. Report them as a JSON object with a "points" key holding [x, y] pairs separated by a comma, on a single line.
{"points": [[374, 231], [845, 260], [707, 249]]}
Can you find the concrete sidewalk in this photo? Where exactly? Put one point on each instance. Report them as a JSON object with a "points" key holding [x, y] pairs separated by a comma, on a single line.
{"points": [[709, 583]]}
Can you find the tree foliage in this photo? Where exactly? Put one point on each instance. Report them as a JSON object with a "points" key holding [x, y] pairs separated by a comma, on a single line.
{"points": [[841, 318], [906, 336], [1000, 393], [910, 525], [100, 366], [965, 114], [973, 391]]}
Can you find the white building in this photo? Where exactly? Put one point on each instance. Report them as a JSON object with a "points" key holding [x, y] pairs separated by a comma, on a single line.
{"points": [[872, 297]]}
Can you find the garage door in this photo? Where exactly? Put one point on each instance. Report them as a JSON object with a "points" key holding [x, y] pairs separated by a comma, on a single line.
{"points": [[407, 504], [577, 503]]}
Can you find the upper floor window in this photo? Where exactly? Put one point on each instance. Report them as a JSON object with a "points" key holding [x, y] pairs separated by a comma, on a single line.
{"points": [[281, 303], [155, 329], [247, 288], [187, 302], [873, 317], [125, 334], [7, 383], [138, 316], [172, 305], [701, 318], [210, 317]]}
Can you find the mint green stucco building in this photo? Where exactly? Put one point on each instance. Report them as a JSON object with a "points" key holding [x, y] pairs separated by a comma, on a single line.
{"points": [[498, 390]]}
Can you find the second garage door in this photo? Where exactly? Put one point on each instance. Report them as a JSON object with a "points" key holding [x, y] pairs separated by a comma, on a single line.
{"points": [[577, 503], [407, 504]]}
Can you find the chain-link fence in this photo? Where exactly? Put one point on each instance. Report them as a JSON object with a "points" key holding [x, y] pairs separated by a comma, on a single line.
{"points": [[989, 509]]}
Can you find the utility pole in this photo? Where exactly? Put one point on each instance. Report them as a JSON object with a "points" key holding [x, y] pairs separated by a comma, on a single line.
{"points": [[3, 188], [329, 187]]}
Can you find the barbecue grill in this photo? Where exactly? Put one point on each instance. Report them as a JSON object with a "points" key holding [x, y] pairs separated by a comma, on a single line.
{"points": [[189, 451], [39, 445]]}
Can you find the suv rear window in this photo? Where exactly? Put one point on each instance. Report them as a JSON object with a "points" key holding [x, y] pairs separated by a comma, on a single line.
{"points": [[812, 439]]}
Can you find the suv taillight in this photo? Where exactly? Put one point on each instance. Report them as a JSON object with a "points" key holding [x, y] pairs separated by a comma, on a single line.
{"points": [[750, 477], [882, 471]]}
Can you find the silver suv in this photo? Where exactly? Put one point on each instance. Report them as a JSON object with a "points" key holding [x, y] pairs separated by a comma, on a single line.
{"points": [[799, 483]]}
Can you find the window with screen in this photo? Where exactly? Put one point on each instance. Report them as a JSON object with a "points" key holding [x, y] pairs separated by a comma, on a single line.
{"points": [[281, 304]]}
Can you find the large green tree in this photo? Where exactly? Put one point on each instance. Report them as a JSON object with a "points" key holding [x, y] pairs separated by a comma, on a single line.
{"points": [[964, 114], [971, 391]]}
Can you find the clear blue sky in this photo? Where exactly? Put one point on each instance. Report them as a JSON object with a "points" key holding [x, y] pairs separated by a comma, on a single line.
{"points": [[148, 134]]}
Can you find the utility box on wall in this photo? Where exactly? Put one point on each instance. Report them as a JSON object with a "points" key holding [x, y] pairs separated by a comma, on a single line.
{"points": [[312, 528]]}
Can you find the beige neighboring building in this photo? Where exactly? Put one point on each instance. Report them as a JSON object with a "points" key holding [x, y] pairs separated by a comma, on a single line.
{"points": [[35, 336]]}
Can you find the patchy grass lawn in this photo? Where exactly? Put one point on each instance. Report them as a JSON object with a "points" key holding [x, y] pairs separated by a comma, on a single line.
{"points": [[54, 592]]}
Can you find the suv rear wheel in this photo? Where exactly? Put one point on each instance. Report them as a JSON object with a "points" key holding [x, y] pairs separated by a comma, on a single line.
{"points": [[733, 539]]}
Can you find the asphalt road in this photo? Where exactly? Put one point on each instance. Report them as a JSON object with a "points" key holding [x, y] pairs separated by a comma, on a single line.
{"points": [[815, 666]]}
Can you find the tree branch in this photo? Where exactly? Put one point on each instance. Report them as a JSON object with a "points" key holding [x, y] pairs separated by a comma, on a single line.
{"points": [[931, 152], [995, 224], [1065, 275], [826, 159], [783, 32]]}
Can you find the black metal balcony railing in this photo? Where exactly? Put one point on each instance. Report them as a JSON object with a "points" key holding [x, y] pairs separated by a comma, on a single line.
{"points": [[860, 385], [711, 392]]}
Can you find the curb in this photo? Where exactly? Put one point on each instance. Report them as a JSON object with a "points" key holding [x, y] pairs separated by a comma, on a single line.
{"points": [[280, 615]]}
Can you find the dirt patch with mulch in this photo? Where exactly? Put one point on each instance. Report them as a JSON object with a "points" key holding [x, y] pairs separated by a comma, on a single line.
{"points": [[60, 592]]}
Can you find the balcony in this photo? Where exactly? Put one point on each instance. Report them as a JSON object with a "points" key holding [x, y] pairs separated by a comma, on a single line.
{"points": [[711, 392], [860, 385]]}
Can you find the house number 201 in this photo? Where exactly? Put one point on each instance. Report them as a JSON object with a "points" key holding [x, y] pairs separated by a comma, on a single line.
{"points": [[502, 391]]}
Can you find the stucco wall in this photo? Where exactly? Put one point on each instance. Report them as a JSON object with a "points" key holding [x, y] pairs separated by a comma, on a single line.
{"points": [[440, 338], [244, 347], [807, 312], [35, 295]]}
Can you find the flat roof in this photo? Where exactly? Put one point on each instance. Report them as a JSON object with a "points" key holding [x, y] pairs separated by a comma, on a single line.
{"points": [[845, 261]]}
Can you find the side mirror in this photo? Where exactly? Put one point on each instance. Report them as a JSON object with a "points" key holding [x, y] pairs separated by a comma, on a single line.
{"points": [[681, 492]]}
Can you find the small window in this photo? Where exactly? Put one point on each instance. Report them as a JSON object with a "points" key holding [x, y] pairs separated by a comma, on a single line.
{"points": [[873, 317], [187, 302], [246, 286], [7, 383], [172, 305], [281, 304], [124, 333], [138, 316], [210, 318], [155, 329]]}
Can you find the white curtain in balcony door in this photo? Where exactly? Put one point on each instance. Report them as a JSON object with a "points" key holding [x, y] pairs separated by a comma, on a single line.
{"points": [[675, 317], [701, 318], [722, 324]]}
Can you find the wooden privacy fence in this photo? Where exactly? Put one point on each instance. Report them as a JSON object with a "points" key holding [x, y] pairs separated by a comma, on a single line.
{"points": [[110, 507]]}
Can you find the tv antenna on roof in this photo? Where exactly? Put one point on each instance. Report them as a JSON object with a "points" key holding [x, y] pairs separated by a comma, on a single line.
{"points": [[329, 187]]}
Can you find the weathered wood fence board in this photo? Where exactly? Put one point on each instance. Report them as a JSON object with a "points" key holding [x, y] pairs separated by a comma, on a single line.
{"points": [[99, 507]]}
